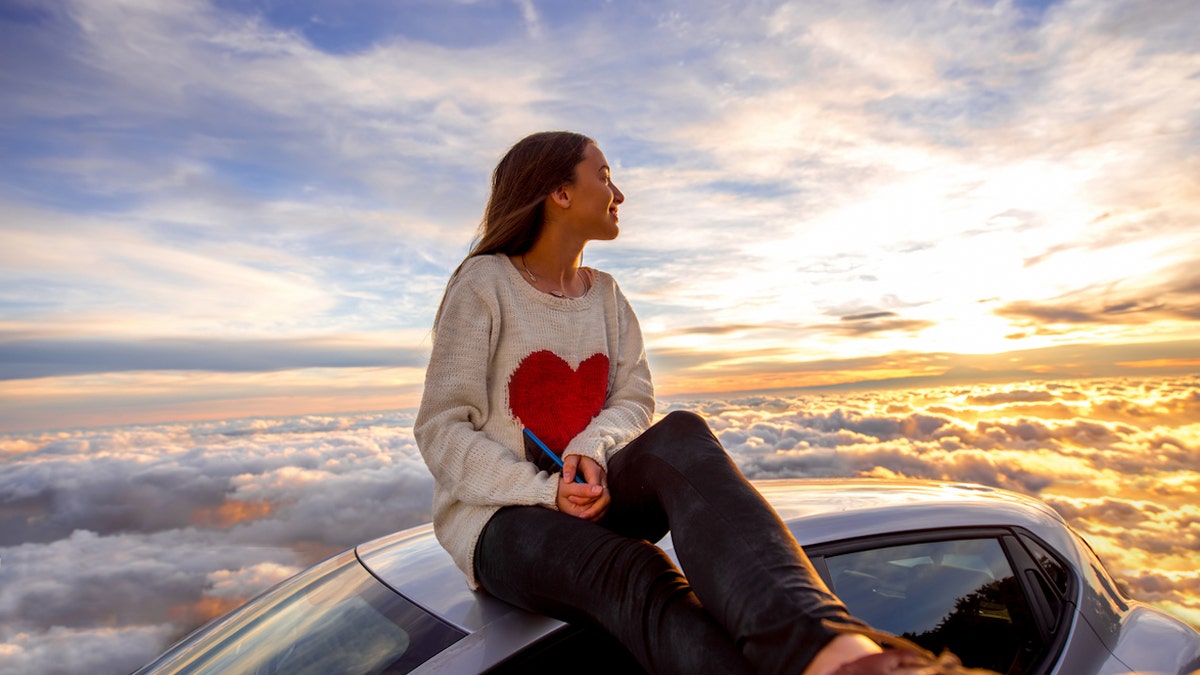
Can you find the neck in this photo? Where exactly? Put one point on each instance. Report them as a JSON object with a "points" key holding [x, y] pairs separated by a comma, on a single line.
{"points": [[552, 269], [553, 266]]}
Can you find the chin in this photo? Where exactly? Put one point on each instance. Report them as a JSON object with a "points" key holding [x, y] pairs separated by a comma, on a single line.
{"points": [[607, 234]]}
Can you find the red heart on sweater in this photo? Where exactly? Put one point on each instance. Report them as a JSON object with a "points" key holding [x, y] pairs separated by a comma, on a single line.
{"points": [[554, 401]]}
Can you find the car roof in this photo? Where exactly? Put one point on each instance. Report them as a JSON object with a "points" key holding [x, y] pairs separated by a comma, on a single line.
{"points": [[824, 510], [816, 510]]}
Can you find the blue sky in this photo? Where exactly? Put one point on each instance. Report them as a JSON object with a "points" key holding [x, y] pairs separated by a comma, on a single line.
{"points": [[219, 208]]}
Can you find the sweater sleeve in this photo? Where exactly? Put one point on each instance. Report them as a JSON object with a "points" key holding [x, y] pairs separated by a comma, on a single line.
{"points": [[630, 404], [454, 408]]}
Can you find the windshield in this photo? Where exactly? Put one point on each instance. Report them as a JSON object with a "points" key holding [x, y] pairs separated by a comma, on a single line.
{"points": [[335, 617]]}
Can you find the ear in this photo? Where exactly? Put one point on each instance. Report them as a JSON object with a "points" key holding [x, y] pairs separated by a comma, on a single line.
{"points": [[562, 196]]}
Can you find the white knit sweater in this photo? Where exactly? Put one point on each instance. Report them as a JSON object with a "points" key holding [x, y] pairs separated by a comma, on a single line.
{"points": [[505, 357]]}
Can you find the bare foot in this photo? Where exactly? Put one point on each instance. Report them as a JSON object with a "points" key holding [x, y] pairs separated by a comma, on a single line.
{"points": [[841, 650], [865, 657]]}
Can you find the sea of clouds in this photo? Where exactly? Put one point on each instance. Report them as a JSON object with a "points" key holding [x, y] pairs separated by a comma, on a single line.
{"points": [[116, 541]]}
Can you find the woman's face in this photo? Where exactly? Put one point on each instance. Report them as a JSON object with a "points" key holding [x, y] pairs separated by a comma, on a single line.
{"points": [[594, 197]]}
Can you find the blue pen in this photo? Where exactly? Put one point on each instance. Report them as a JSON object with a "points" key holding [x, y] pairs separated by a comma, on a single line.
{"points": [[548, 451]]}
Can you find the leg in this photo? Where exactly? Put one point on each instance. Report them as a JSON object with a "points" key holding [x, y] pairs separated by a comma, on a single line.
{"points": [[551, 563], [739, 557]]}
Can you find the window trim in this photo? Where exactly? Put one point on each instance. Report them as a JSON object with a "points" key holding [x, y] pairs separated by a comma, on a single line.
{"points": [[1054, 636]]}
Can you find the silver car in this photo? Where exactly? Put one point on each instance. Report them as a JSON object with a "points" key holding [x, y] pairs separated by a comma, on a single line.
{"points": [[996, 577]]}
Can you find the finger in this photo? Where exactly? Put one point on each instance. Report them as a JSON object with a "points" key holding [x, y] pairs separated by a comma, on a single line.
{"points": [[594, 514], [569, 507], [592, 472], [570, 467], [599, 515], [597, 509], [573, 489], [580, 492], [585, 511]]}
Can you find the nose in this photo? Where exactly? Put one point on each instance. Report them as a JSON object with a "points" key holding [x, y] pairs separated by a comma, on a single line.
{"points": [[618, 196]]}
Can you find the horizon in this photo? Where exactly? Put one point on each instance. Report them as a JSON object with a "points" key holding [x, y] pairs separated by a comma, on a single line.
{"points": [[893, 385], [211, 208]]}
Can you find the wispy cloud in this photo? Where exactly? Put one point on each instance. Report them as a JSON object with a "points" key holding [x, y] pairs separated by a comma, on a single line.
{"points": [[25, 357], [1175, 296], [188, 170], [106, 399], [692, 367]]}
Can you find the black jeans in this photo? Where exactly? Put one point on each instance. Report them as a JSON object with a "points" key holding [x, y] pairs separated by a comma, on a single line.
{"points": [[751, 600]]}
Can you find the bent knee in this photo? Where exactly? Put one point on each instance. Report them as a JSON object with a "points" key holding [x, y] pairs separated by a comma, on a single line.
{"points": [[684, 421], [682, 432]]}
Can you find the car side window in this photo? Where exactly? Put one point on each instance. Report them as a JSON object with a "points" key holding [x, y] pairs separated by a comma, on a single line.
{"points": [[334, 617], [957, 594], [1055, 571]]}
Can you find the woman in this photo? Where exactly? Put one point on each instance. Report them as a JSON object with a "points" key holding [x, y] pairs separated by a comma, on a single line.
{"points": [[529, 344]]}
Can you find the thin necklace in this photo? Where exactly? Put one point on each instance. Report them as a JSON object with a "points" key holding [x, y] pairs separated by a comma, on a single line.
{"points": [[527, 270], [558, 293]]}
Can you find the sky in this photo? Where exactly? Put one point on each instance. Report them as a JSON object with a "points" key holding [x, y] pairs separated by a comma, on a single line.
{"points": [[220, 208], [116, 541]]}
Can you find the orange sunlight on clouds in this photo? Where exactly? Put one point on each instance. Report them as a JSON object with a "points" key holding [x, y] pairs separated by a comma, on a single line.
{"points": [[1117, 457], [231, 513], [691, 373]]}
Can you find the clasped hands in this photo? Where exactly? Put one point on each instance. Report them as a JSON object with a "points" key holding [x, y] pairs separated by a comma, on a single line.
{"points": [[588, 500]]}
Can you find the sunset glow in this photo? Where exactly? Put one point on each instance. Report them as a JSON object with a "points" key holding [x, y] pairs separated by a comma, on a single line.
{"points": [[219, 210]]}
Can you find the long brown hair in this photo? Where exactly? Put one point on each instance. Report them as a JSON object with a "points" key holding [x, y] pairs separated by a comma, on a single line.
{"points": [[529, 172]]}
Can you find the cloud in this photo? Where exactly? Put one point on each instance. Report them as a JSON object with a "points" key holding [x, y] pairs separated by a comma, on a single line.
{"points": [[1113, 456], [174, 61], [1177, 298], [529, 13], [693, 366], [108, 399], [212, 211], [1004, 397], [205, 197], [23, 357], [248, 581], [877, 322], [181, 522], [63, 651], [851, 325], [872, 135], [156, 479], [273, 172], [1134, 503]]}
